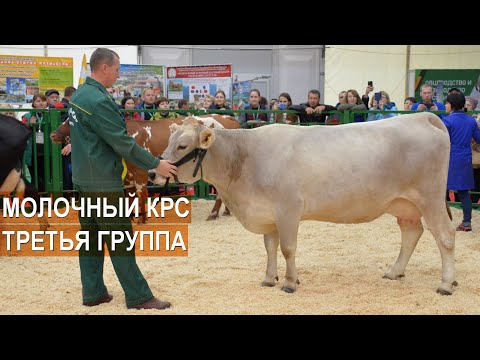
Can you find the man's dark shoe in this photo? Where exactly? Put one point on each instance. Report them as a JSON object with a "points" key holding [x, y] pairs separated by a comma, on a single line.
{"points": [[107, 298], [153, 303]]}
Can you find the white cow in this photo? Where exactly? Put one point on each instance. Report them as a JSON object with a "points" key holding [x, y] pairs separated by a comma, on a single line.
{"points": [[275, 176]]}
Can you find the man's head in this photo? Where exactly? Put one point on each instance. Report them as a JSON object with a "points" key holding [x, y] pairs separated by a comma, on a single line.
{"points": [[313, 98], [105, 66], [53, 97], [426, 93], [149, 97], [68, 92]]}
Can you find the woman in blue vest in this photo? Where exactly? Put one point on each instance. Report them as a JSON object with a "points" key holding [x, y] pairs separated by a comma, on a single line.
{"points": [[462, 128]]}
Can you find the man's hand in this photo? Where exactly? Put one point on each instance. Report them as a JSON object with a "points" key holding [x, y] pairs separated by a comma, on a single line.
{"points": [[309, 110], [166, 169], [319, 109], [368, 90], [421, 107], [434, 108], [67, 149]]}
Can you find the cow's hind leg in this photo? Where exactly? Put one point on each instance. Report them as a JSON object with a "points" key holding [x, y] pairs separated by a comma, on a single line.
{"points": [[288, 231], [411, 229], [443, 230], [271, 244]]}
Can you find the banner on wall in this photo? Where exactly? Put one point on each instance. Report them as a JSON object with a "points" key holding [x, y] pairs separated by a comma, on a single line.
{"points": [[21, 77], [193, 83], [466, 80], [134, 79], [241, 93]]}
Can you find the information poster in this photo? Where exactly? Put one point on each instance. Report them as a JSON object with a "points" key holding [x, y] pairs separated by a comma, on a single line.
{"points": [[134, 79], [193, 83], [21, 77]]}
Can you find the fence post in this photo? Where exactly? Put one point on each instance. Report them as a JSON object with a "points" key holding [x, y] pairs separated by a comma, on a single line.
{"points": [[56, 184]]}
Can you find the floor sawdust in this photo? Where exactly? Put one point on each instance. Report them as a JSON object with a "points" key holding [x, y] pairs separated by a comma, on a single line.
{"points": [[340, 268]]}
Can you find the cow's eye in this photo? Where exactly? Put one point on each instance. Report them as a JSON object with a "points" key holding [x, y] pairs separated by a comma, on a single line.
{"points": [[180, 147]]}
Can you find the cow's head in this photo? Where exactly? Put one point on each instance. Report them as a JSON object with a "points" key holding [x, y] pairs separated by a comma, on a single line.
{"points": [[185, 142], [58, 136]]}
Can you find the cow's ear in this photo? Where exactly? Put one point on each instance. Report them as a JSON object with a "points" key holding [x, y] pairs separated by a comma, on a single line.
{"points": [[207, 137], [174, 127]]}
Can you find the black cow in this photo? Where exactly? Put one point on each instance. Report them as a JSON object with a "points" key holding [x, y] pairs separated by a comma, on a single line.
{"points": [[14, 137]]}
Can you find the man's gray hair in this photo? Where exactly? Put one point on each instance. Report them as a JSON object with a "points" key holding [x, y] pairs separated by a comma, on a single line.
{"points": [[102, 56]]}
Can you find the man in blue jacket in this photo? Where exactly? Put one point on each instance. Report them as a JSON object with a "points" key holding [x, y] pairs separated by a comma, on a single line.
{"points": [[427, 103]]}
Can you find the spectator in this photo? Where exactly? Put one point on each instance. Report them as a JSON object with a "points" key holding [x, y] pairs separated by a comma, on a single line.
{"points": [[209, 100], [461, 128], [365, 97], [284, 102], [183, 105], [111, 92], [164, 104], [312, 111], [53, 97], [427, 104], [263, 102], [471, 104], [385, 105], [408, 103], [137, 100], [148, 104], [354, 102], [220, 104], [253, 104], [39, 101], [342, 98], [129, 104], [67, 148]]}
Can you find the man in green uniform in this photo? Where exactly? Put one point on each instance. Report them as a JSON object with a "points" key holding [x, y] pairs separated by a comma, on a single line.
{"points": [[99, 142]]}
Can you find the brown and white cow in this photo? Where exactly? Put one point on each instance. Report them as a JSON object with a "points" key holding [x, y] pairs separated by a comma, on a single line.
{"points": [[275, 176], [144, 132]]}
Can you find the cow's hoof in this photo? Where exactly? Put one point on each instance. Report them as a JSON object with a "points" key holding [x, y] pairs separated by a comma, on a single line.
{"points": [[269, 283], [392, 276], [212, 216], [443, 291], [226, 213], [288, 290]]}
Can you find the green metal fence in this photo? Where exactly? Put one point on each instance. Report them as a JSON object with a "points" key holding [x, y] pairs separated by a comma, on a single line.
{"points": [[53, 158]]}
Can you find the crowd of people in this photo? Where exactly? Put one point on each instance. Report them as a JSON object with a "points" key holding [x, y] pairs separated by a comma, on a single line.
{"points": [[312, 111]]}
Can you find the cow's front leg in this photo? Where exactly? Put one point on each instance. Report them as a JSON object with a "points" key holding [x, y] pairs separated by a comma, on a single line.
{"points": [[216, 209], [271, 244]]}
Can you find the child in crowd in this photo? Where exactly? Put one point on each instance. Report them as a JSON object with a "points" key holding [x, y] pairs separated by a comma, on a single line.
{"points": [[164, 104]]}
